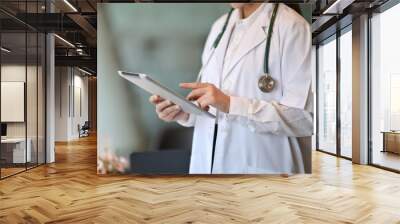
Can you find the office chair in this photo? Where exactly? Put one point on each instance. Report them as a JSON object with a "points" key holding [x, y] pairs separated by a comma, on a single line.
{"points": [[84, 130]]}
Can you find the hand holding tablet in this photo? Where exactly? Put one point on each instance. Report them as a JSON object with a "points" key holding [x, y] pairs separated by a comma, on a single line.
{"points": [[155, 88], [167, 110]]}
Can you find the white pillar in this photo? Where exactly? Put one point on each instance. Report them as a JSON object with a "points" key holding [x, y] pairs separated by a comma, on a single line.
{"points": [[360, 90], [50, 92], [50, 99]]}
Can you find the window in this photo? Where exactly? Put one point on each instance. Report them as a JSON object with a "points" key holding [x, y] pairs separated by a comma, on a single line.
{"points": [[333, 137], [346, 94], [327, 97], [385, 89]]}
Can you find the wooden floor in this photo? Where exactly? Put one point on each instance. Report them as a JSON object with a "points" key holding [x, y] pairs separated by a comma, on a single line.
{"points": [[5, 172], [69, 191], [387, 159]]}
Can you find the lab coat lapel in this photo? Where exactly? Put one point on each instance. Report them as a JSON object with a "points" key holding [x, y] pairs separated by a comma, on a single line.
{"points": [[220, 51], [255, 35]]}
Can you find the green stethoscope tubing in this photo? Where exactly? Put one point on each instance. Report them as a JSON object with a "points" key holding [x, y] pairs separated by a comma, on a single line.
{"points": [[266, 83], [219, 37]]}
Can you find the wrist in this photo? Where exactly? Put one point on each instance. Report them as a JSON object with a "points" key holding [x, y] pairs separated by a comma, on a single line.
{"points": [[227, 103], [185, 117]]}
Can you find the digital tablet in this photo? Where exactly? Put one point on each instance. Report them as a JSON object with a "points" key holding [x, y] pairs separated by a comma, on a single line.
{"points": [[155, 88]]}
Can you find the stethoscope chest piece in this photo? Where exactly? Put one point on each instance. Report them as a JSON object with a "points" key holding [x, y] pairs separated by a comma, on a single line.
{"points": [[266, 83]]}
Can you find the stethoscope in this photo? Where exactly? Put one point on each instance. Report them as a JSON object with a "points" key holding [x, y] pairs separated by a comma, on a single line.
{"points": [[265, 83]]}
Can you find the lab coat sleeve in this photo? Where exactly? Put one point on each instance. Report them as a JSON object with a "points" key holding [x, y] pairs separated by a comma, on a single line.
{"points": [[296, 62], [190, 122], [271, 117], [292, 115]]}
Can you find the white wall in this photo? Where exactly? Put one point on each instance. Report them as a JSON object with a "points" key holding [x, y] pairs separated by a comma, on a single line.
{"points": [[62, 81], [17, 73], [70, 83], [33, 127], [13, 100], [79, 117]]}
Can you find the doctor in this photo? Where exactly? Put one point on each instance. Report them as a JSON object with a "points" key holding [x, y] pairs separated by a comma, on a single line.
{"points": [[256, 78]]}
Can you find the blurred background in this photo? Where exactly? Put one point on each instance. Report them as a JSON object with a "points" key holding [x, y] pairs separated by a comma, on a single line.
{"points": [[162, 40]]}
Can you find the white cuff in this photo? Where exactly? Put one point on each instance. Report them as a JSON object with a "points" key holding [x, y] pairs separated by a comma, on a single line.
{"points": [[239, 106], [190, 121]]}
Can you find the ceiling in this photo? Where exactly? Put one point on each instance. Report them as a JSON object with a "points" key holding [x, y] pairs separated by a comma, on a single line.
{"points": [[333, 15], [76, 22]]}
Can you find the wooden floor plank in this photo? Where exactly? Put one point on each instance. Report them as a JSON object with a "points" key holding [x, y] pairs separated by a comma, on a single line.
{"points": [[69, 191]]}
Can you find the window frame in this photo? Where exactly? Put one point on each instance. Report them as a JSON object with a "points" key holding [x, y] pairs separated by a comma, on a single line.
{"points": [[334, 37]]}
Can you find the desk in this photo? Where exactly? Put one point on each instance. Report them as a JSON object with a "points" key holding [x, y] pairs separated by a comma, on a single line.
{"points": [[15, 148], [391, 141]]}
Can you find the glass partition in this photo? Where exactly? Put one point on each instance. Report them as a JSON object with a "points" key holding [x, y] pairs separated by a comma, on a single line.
{"points": [[385, 89], [327, 96], [346, 94], [32, 95], [22, 78], [14, 153]]}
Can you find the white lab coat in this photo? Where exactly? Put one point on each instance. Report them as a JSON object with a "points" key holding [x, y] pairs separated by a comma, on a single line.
{"points": [[263, 133]]}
